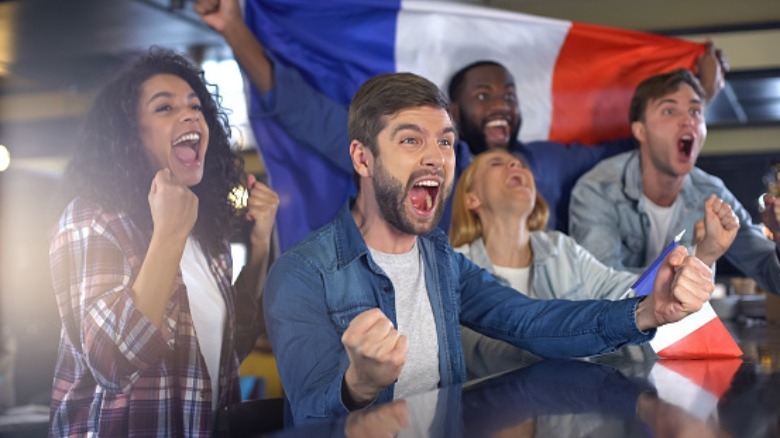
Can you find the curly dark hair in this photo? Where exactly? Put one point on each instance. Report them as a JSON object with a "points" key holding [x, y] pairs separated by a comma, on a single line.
{"points": [[111, 167]]}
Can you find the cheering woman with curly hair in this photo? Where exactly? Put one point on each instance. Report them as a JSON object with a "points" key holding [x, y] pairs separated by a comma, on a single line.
{"points": [[153, 330]]}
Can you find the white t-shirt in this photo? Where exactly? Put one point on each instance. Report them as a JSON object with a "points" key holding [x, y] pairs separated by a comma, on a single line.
{"points": [[207, 307], [518, 278], [415, 320], [660, 222]]}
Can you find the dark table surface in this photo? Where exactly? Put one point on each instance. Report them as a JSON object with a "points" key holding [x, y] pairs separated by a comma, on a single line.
{"points": [[616, 395]]}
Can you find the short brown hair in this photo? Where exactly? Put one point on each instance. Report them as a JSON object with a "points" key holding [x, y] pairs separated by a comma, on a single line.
{"points": [[466, 226], [658, 86], [387, 94]]}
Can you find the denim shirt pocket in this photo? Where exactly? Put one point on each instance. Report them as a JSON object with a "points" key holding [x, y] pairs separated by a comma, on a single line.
{"points": [[343, 316]]}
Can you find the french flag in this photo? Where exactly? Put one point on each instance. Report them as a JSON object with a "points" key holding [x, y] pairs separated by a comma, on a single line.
{"points": [[574, 81], [700, 335]]}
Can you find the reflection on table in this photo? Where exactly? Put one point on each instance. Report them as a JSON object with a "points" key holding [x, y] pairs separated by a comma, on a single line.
{"points": [[614, 395]]}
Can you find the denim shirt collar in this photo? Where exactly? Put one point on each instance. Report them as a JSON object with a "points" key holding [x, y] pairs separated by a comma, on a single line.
{"points": [[478, 254], [632, 176], [543, 250], [350, 244], [543, 247]]}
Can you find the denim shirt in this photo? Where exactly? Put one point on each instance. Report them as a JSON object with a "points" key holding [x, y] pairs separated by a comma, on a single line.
{"points": [[561, 269], [315, 290], [609, 218]]}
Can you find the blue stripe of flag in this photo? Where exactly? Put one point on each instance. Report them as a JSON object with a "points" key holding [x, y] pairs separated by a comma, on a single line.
{"points": [[336, 47], [335, 44]]}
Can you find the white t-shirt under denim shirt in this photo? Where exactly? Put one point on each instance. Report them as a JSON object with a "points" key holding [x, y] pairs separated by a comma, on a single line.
{"points": [[415, 320], [518, 278], [660, 222]]}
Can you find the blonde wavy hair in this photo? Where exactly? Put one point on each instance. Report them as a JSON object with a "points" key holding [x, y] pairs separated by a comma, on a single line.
{"points": [[466, 226]]}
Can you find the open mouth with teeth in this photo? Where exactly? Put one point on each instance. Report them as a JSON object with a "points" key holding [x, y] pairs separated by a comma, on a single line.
{"points": [[685, 145], [186, 148], [497, 131], [423, 196]]}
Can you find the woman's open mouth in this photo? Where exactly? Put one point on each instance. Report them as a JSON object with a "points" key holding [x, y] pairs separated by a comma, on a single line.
{"points": [[186, 148]]}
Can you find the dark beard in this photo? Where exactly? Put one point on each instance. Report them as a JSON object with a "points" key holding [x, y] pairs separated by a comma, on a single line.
{"points": [[390, 194], [474, 136]]}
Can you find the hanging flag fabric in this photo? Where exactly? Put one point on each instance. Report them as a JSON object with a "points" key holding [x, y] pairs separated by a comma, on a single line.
{"points": [[700, 335], [574, 81]]}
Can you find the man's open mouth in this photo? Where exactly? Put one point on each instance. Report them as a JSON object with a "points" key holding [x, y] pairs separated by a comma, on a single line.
{"points": [[496, 131], [423, 195], [685, 144]]}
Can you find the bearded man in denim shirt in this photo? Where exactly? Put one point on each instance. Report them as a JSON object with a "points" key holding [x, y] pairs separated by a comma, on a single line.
{"points": [[627, 208], [368, 308]]}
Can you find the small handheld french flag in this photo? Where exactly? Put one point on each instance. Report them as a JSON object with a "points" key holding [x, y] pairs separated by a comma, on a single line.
{"points": [[644, 285], [701, 335]]}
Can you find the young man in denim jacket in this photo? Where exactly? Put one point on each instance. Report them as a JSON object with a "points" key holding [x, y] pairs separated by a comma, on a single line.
{"points": [[627, 208], [368, 307]]}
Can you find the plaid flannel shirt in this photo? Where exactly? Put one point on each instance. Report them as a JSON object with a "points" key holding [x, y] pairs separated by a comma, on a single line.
{"points": [[118, 374]]}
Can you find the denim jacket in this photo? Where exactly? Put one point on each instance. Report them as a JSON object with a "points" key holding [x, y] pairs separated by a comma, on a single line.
{"points": [[315, 290], [561, 269], [609, 218]]}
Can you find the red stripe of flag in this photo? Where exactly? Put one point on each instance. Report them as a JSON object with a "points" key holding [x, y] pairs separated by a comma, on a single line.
{"points": [[710, 341], [596, 73]]}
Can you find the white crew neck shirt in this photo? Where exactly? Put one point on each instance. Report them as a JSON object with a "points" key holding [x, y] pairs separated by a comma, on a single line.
{"points": [[415, 320]]}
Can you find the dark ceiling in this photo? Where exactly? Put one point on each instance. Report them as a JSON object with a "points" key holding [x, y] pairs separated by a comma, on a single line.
{"points": [[63, 44]]}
